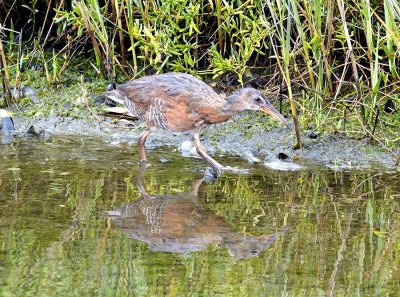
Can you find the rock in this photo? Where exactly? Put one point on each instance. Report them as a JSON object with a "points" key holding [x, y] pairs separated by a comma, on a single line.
{"points": [[188, 149], [32, 132], [25, 91], [6, 122], [283, 157], [313, 135], [7, 126], [389, 106], [186, 146]]}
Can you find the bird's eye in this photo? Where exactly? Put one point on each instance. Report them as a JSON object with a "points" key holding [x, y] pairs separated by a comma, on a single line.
{"points": [[258, 100]]}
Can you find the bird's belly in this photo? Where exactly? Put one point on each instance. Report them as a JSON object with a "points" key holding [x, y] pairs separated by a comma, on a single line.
{"points": [[180, 118], [175, 125], [180, 125]]}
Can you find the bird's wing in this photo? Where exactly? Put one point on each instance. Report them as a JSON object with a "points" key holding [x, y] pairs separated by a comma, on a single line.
{"points": [[172, 88]]}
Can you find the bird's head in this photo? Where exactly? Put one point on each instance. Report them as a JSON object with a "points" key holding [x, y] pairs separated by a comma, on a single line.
{"points": [[252, 99]]}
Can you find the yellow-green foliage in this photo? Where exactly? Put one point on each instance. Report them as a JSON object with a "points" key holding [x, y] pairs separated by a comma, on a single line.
{"points": [[333, 50]]}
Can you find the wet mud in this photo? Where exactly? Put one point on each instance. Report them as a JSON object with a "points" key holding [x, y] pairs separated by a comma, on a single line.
{"points": [[242, 136]]}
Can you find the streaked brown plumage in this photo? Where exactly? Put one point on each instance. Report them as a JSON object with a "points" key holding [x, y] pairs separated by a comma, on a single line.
{"points": [[180, 224], [181, 102]]}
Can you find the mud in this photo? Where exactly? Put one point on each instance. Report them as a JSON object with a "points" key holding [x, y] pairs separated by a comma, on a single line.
{"points": [[243, 136]]}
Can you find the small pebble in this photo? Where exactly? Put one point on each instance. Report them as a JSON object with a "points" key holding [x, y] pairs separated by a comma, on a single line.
{"points": [[313, 135], [186, 146], [389, 106], [283, 157], [188, 149]]}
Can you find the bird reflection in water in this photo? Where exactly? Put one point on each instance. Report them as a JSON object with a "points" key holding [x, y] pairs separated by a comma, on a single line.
{"points": [[180, 224]]}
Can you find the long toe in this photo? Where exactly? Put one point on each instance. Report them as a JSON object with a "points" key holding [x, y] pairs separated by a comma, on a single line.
{"points": [[212, 173], [209, 174], [218, 171]]}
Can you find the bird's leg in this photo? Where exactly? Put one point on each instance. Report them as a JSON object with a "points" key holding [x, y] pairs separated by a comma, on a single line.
{"points": [[140, 181], [200, 150], [142, 141]]}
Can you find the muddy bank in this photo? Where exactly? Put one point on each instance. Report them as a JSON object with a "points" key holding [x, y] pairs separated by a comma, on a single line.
{"points": [[243, 136]]}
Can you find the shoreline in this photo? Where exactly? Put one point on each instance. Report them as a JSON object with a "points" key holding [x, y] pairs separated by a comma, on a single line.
{"points": [[252, 142]]}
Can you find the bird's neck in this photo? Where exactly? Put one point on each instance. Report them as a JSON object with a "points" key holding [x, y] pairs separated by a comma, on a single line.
{"points": [[225, 111], [228, 110], [230, 106], [221, 111]]}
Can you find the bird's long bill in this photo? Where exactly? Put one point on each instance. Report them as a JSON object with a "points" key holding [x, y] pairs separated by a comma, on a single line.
{"points": [[275, 114]]}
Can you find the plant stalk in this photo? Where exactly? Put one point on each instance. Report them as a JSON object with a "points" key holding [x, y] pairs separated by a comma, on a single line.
{"points": [[92, 38], [5, 76]]}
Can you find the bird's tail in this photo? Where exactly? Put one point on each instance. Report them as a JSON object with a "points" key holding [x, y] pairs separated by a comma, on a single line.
{"points": [[116, 96]]}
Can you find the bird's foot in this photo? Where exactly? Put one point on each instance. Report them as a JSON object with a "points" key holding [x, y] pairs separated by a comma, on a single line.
{"points": [[215, 172], [212, 173]]}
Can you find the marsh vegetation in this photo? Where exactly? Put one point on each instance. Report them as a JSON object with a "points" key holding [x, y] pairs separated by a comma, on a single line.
{"points": [[331, 65], [333, 62]]}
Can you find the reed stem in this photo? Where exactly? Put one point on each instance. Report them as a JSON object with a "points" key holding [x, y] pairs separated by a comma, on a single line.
{"points": [[5, 76], [86, 21]]}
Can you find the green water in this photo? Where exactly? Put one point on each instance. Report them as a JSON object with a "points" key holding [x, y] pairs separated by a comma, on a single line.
{"points": [[313, 232]]}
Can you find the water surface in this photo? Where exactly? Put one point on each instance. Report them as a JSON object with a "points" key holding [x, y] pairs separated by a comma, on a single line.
{"points": [[80, 218]]}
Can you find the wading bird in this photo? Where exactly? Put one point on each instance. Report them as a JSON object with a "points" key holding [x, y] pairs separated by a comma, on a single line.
{"points": [[180, 102]]}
